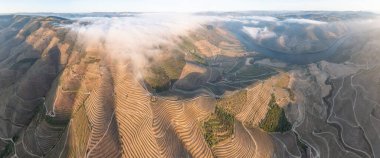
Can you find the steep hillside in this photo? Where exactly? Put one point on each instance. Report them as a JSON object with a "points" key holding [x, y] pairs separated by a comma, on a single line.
{"points": [[69, 89], [64, 97]]}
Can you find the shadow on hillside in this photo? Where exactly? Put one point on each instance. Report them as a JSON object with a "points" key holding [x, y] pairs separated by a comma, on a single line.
{"points": [[222, 74]]}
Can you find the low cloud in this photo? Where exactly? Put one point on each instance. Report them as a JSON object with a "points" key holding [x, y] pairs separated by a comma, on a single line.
{"points": [[304, 21], [260, 18], [136, 37], [259, 33], [250, 19], [270, 19]]}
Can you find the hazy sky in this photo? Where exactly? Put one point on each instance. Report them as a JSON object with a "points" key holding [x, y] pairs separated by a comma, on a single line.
{"points": [[11, 6]]}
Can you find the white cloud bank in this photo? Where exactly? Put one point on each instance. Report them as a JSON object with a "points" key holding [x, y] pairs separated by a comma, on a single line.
{"points": [[136, 37], [304, 21], [259, 33]]}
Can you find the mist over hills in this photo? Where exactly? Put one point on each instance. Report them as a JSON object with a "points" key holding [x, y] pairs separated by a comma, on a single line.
{"points": [[213, 84]]}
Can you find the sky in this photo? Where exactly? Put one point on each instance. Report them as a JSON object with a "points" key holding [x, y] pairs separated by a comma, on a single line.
{"points": [[64, 6]]}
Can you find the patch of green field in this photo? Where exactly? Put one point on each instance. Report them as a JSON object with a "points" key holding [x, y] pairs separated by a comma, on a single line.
{"points": [[232, 104], [219, 127], [275, 120]]}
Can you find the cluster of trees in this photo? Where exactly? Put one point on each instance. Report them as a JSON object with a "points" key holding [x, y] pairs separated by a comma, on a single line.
{"points": [[224, 116], [233, 104], [275, 120], [219, 127], [209, 134]]}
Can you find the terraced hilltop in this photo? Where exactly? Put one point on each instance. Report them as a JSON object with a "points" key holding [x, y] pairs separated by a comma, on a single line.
{"points": [[204, 94]]}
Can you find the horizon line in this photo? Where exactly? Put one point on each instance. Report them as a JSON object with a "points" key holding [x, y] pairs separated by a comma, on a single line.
{"points": [[211, 11]]}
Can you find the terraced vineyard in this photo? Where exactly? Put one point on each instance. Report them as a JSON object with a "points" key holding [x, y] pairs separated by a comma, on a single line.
{"points": [[218, 127], [96, 107], [66, 91]]}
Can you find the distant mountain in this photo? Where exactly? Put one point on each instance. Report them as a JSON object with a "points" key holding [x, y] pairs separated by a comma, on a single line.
{"points": [[236, 84]]}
